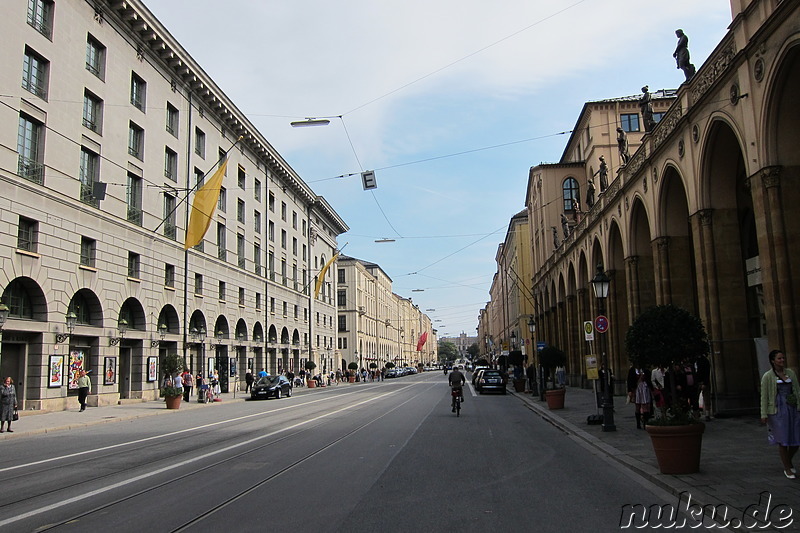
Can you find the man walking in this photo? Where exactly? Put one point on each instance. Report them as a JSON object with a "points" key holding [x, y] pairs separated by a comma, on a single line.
{"points": [[84, 387]]}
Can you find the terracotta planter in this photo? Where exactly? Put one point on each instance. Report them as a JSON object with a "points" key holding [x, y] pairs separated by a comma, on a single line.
{"points": [[677, 447], [555, 398], [519, 385], [173, 402], [311, 383], [351, 379]]}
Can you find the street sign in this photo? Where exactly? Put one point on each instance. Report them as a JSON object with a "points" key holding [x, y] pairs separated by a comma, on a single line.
{"points": [[601, 324], [540, 346], [588, 330], [591, 367]]}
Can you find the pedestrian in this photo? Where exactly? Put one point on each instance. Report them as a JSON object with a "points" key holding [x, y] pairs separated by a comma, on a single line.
{"points": [[8, 403], [262, 373], [530, 373], [643, 399], [187, 380], [199, 381], [702, 373], [779, 409], [657, 384], [290, 377], [84, 387], [248, 379]]}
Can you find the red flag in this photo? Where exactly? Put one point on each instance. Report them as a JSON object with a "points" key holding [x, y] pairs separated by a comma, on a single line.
{"points": [[421, 341]]}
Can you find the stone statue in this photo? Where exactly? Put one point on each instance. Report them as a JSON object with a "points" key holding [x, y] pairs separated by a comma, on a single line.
{"points": [[576, 209], [555, 237], [622, 144], [590, 194], [603, 171], [646, 106], [564, 225], [681, 55]]}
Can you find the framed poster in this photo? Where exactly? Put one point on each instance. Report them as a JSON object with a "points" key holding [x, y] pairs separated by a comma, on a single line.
{"points": [[210, 366], [110, 371], [55, 373], [152, 368], [77, 363]]}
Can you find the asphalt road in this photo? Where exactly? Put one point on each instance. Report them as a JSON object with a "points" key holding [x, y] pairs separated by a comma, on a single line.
{"points": [[366, 457]]}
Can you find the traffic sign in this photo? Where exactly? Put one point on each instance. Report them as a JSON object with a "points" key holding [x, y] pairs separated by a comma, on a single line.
{"points": [[588, 330], [601, 324]]}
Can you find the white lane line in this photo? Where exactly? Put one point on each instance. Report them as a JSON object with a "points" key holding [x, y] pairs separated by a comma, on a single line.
{"points": [[166, 435], [176, 467]]}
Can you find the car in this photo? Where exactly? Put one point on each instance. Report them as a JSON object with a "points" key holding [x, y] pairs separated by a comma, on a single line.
{"points": [[476, 372], [490, 380], [271, 387], [391, 374]]}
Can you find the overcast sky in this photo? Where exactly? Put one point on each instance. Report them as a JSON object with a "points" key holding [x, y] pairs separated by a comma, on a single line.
{"points": [[449, 101]]}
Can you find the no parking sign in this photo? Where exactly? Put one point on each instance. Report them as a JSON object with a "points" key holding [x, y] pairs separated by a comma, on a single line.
{"points": [[601, 324]]}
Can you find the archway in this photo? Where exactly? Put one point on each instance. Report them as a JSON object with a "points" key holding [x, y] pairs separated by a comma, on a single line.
{"points": [[675, 266]]}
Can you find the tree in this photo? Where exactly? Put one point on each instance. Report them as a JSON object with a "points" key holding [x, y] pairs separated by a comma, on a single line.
{"points": [[473, 350], [447, 351], [551, 357]]}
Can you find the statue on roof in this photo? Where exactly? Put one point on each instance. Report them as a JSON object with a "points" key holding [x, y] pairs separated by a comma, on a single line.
{"points": [[646, 106], [555, 237], [564, 225], [681, 55], [590, 194], [622, 144], [603, 171]]}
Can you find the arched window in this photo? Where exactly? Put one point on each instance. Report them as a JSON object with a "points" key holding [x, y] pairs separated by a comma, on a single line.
{"points": [[572, 194], [18, 300]]}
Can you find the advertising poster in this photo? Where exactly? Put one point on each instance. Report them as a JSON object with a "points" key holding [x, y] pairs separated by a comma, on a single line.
{"points": [[77, 361], [56, 371]]}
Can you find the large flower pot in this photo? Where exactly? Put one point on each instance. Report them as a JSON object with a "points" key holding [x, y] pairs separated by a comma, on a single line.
{"points": [[311, 383], [555, 398], [519, 385], [351, 379], [677, 447], [173, 402]]}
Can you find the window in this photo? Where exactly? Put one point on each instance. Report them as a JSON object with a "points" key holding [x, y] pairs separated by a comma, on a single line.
{"points": [[240, 207], [272, 305], [283, 271], [657, 117], [342, 323], [134, 199], [271, 202], [34, 73], [257, 190], [304, 252], [241, 296], [169, 275], [271, 231], [283, 211], [199, 177], [283, 239], [40, 16], [296, 312], [221, 155], [172, 120], [221, 293], [170, 164], [257, 258], [285, 309], [341, 276], [306, 288], [294, 245], [294, 219], [258, 301], [198, 284], [341, 298], [257, 222], [27, 234], [95, 57], [242, 179], [133, 265], [136, 141], [200, 142], [138, 92], [170, 216], [294, 276], [271, 265], [222, 252], [572, 193], [630, 121], [29, 149], [88, 175], [240, 250], [304, 228], [222, 203], [88, 249], [92, 112]]}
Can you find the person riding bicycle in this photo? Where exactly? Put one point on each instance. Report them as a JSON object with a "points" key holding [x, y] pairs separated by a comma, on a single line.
{"points": [[456, 380]]}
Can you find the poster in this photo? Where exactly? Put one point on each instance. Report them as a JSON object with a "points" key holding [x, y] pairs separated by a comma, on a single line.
{"points": [[110, 371], [210, 366], [591, 367], [152, 368], [55, 376], [77, 361]]}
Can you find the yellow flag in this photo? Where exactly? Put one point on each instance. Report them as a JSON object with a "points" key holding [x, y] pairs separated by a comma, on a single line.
{"points": [[322, 272], [203, 206]]}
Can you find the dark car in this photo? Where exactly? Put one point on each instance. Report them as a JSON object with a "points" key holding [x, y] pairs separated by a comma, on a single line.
{"points": [[271, 387], [490, 380], [476, 373]]}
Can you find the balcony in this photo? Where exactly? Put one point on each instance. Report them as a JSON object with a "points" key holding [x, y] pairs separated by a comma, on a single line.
{"points": [[135, 215], [87, 196], [31, 170]]}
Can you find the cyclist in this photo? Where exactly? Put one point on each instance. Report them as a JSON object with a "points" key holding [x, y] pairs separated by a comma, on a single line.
{"points": [[456, 380]]}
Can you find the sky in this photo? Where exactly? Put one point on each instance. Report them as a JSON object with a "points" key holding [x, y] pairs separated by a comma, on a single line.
{"points": [[450, 102]]}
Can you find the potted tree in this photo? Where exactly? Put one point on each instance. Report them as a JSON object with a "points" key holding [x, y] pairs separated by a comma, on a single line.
{"points": [[551, 358], [665, 336], [310, 366], [517, 360], [351, 375], [171, 364]]}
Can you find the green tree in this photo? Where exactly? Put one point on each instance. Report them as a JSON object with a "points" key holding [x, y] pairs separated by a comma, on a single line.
{"points": [[473, 350], [447, 351]]}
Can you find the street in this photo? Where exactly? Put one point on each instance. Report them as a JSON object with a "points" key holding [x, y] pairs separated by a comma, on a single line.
{"points": [[384, 456]]}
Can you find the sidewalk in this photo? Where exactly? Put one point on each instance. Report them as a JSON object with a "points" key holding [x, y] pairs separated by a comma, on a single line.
{"points": [[736, 464]]}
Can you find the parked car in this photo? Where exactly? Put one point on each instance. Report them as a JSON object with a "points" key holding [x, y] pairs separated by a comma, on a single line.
{"points": [[476, 373], [271, 387], [490, 380], [392, 374]]}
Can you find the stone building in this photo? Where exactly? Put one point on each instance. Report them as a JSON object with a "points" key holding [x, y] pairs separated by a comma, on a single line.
{"points": [[107, 125]]}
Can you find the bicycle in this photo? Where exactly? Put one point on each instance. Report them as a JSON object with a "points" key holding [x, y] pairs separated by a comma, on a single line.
{"points": [[456, 394]]}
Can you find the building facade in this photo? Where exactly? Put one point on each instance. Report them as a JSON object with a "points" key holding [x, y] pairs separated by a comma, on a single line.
{"points": [[108, 127]]}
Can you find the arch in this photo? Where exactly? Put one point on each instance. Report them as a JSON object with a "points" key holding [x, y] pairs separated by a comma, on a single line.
{"points": [[640, 258], [86, 306], [168, 316], [241, 330], [781, 114], [132, 312], [197, 322], [675, 262], [221, 327], [570, 193], [258, 332], [25, 299], [284, 335], [296, 338], [273, 334]]}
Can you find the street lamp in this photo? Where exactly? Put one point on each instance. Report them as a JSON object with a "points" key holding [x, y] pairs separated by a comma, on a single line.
{"points": [[122, 327], [71, 320], [4, 310], [601, 283]]}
